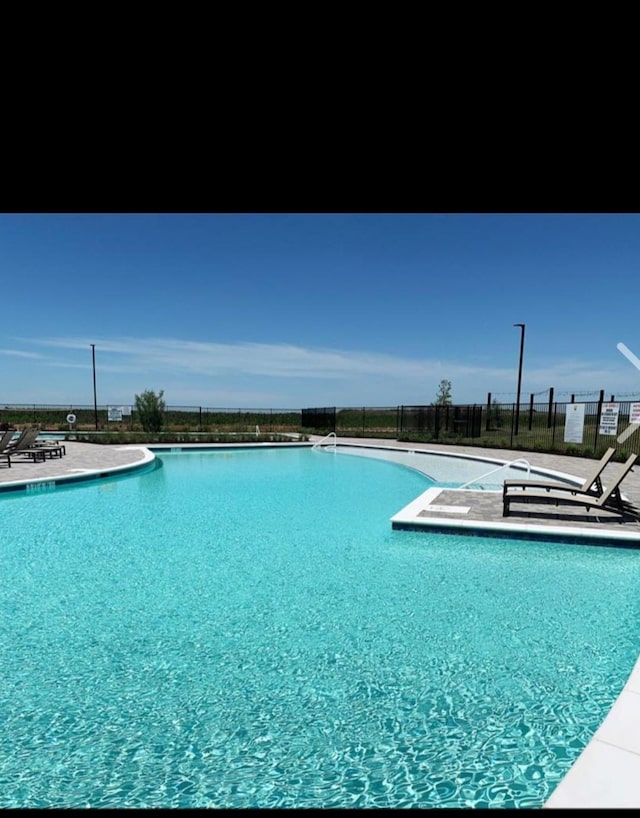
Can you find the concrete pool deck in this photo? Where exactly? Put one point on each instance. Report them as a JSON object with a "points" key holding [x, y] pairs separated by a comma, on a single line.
{"points": [[88, 459], [607, 773]]}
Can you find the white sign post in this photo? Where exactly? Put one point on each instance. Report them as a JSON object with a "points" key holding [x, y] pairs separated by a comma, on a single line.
{"points": [[574, 423], [609, 419]]}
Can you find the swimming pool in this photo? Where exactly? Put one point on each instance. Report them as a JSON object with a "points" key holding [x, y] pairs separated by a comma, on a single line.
{"points": [[450, 470], [242, 628]]}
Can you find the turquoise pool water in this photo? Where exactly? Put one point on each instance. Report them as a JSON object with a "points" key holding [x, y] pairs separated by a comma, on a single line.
{"points": [[244, 629]]}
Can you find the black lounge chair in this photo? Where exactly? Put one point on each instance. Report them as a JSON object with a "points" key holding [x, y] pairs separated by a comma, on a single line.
{"points": [[5, 439], [24, 442], [592, 483], [53, 447], [610, 500], [11, 445], [28, 445]]}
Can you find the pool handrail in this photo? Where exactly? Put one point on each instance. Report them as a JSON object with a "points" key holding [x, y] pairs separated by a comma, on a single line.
{"points": [[493, 471], [318, 444]]}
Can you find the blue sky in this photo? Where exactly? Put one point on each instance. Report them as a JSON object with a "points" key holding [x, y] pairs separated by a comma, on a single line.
{"points": [[292, 310]]}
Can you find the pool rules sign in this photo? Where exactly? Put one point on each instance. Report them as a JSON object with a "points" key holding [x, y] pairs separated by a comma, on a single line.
{"points": [[574, 423], [116, 413], [609, 419]]}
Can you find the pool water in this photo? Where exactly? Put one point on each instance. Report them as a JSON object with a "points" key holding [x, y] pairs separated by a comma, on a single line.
{"points": [[245, 629], [454, 471]]}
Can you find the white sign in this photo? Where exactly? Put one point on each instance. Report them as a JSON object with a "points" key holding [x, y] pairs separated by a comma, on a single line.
{"points": [[609, 419], [114, 413], [71, 418], [574, 423], [634, 415], [126, 410]]}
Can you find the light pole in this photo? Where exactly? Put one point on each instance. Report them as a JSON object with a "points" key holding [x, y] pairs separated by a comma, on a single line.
{"points": [[519, 377], [95, 399]]}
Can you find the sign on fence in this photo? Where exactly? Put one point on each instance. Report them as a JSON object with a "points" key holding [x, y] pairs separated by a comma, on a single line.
{"points": [[609, 419], [634, 413], [574, 423], [118, 412]]}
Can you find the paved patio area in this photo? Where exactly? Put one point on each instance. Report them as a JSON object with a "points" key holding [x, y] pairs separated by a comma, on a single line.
{"points": [[80, 458]]}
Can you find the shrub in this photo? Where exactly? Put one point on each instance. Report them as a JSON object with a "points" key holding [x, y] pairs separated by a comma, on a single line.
{"points": [[150, 409]]}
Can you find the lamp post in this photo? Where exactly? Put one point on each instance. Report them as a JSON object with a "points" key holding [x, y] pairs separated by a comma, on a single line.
{"points": [[95, 399], [517, 423]]}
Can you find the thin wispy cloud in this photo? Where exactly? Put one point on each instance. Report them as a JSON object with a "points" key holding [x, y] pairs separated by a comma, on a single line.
{"points": [[219, 374], [269, 360], [20, 353]]}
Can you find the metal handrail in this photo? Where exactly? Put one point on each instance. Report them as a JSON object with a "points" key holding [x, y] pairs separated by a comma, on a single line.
{"points": [[316, 446], [493, 471]]}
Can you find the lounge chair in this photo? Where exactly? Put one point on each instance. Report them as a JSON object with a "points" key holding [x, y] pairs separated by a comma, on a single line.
{"points": [[51, 446], [13, 443], [5, 439], [28, 445], [27, 437], [591, 485], [610, 499], [24, 445], [4, 443]]}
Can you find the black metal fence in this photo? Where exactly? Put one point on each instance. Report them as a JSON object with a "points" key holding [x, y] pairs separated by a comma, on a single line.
{"points": [[534, 426], [176, 418]]}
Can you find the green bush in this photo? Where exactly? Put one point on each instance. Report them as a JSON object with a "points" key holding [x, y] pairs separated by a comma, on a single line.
{"points": [[150, 409]]}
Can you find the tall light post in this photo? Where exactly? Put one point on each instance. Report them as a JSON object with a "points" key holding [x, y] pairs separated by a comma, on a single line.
{"points": [[95, 399], [517, 423]]}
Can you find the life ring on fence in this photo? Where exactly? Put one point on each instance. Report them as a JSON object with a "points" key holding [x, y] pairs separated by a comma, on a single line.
{"points": [[71, 418]]}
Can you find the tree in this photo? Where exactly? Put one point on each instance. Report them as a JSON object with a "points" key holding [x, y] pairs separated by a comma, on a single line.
{"points": [[150, 409], [443, 398]]}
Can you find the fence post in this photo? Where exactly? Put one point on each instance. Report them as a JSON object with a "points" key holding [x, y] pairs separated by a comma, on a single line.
{"points": [[550, 407], [555, 412], [598, 416], [488, 412], [513, 415], [530, 411], [363, 408]]}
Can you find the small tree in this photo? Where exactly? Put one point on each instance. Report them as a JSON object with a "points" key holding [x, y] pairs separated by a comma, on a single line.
{"points": [[443, 398], [150, 408]]}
